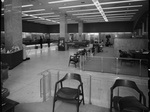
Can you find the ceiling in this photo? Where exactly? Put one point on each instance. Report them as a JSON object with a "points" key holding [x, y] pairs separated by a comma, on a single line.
{"points": [[49, 11]]}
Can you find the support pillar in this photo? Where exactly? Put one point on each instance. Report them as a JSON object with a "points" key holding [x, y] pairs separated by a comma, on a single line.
{"points": [[63, 33], [63, 26], [80, 29], [143, 28], [13, 23]]}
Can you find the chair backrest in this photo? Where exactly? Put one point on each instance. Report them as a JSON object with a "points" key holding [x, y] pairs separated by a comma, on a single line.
{"points": [[74, 76], [126, 83]]}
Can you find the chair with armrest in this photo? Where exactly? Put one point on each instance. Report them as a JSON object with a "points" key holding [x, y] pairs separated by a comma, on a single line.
{"points": [[74, 59], [127, 103], [69, 94]]}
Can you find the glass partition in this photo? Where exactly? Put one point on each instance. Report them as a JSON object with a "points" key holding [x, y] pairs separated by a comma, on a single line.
{"points": [[121, 66]]}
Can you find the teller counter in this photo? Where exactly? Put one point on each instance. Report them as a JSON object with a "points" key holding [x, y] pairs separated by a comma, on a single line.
{"points": [[12, 59]]}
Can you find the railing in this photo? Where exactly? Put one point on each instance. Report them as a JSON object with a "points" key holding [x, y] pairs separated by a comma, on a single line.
{"points": [[120, 66], [96, 86]]}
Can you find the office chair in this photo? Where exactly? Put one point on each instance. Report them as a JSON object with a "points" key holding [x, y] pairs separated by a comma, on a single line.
{"points": [[69, 94], [127, 103]]}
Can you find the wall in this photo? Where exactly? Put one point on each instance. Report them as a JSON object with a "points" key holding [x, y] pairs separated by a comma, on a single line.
{"points": [[129, 44], [73, 28], [34, 27], [108, 27]]}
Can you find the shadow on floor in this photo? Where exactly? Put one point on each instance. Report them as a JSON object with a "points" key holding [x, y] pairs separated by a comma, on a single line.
{"points": [[60, 107]]}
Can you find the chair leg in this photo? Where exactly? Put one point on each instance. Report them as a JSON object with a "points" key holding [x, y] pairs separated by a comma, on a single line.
{"points": [[54, 105], [69, 63], [77, 107]]}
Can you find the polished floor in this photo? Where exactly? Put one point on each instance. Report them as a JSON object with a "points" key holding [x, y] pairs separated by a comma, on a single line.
{"points": [[24, 80]]}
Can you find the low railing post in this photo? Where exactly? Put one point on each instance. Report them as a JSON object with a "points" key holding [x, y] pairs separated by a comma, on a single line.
{"points": [[102, 64], [140, 69], [58, 78], [44, 88], [117, 65], [80, 63], [41, 87], [90, 87], [49, 82]]}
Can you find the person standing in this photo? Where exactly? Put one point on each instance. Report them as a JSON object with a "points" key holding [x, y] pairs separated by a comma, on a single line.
{"points": [[41, 42]]}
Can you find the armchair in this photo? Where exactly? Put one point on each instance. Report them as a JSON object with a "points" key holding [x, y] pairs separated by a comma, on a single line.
{"points": [[127, 103], [69, 94]]}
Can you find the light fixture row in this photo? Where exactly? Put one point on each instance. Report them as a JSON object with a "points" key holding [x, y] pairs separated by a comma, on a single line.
{"points": [[100, 9]]}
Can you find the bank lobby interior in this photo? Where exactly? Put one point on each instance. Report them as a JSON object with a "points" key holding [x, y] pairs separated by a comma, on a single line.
{"points": [[95, 31]]}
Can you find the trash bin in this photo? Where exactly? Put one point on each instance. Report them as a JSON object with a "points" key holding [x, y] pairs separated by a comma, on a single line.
{"points": [[4, 71]]}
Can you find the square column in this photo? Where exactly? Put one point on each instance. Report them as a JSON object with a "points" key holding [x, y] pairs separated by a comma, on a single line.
{"points": [[63, 26], [80, 30], [13, 23]]}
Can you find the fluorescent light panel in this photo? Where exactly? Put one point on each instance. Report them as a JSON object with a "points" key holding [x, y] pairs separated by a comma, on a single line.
{"points": [[86, 13], [121, 11], [75, 6], [51, 16], [107, 12], [27, 5], [120, 14], [105, 3], [81, 10], [89, 16], [121, 1], [107, 15], [100, 9], [123, 7], [43, 13], [33, 10], [105, 8], [61, 1]]}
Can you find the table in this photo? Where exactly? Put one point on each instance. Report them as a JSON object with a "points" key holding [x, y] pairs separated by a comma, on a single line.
{"points": [[139, 55], [9, 106]]}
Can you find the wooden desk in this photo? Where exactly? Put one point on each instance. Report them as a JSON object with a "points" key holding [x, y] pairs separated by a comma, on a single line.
{"points": [[9, 106]]}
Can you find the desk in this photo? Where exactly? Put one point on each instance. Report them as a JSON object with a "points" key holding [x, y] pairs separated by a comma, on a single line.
{"points": [[9, 106], [12, 59], [139, 55]]}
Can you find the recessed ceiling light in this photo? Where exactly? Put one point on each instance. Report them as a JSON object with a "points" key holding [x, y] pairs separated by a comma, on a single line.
{"points": [[43, 13], [33, 10], [121, 1], [27, 5], [61, 1]]}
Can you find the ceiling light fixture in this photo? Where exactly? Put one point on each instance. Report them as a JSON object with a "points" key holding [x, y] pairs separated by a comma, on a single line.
{"points": [[33, 10], [74, 6], [121, 11], [51, 16], [121, 14], [27, 5], [123, 7], [105, 3], [81, 10], [61, 1], [86, 13], [43, 13], [100, 9], [121, 1]]}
